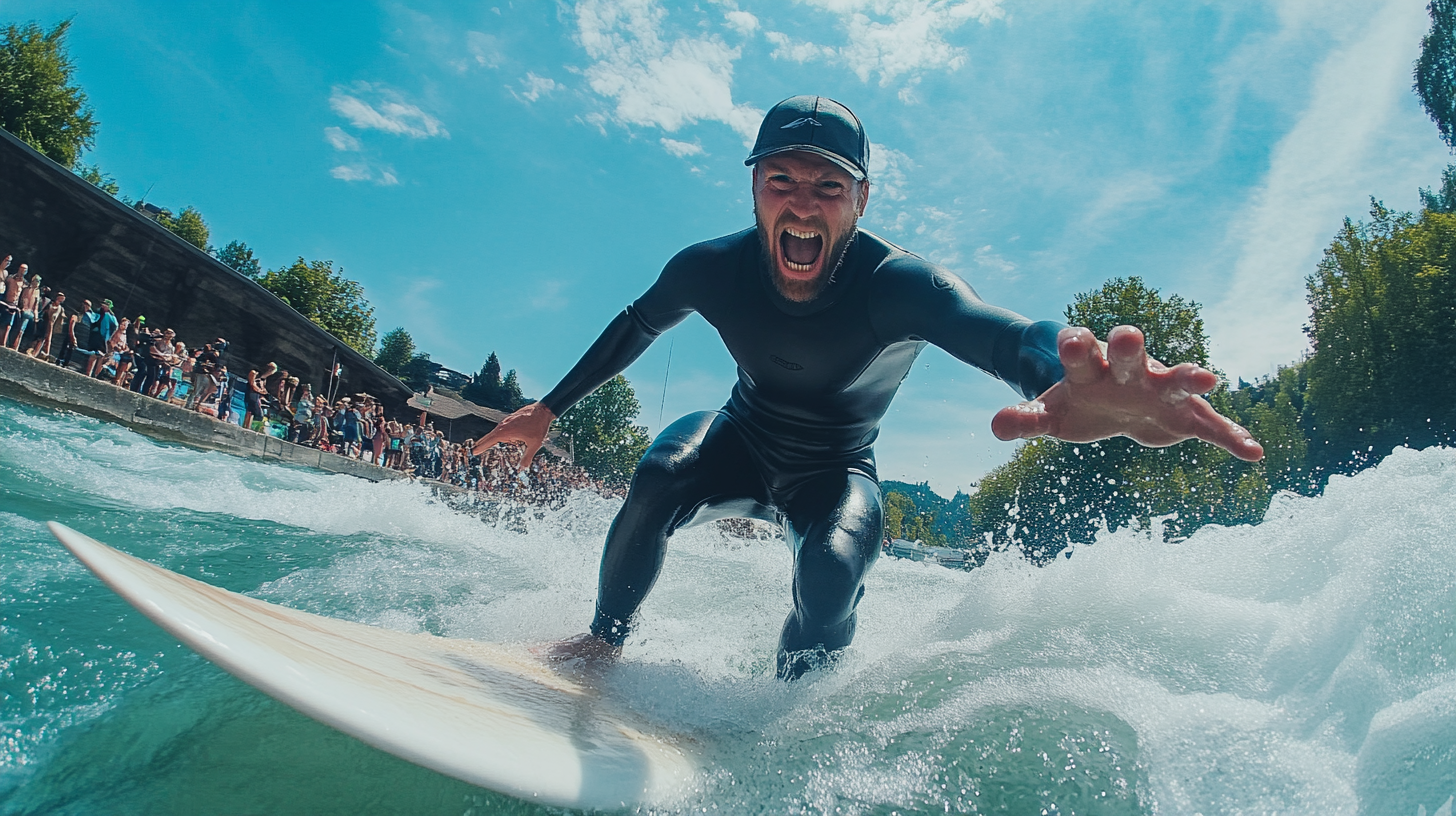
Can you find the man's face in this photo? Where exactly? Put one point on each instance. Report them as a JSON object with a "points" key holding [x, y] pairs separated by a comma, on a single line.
{"points": [[806, 207]]}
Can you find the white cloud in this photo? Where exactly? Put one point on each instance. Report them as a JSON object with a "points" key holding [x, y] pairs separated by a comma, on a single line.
{"points": [[993, 264], [383, 176], [892, 38], [786, 48], [347, 172], [548, 297], [887, 172], [388, 112], [682, 149], [1327, 165], [341, 140], [534, 87], [485, 49], [742, 22], [657, 83]]}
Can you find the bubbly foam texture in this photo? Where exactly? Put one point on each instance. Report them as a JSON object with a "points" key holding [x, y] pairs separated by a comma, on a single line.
{"points": [[1305, 665]]}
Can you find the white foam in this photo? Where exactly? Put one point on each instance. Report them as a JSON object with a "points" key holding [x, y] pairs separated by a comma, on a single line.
{"points": [[1303, 665]]}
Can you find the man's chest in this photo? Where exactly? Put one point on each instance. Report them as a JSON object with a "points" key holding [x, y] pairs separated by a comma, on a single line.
{"points": [[818, 354]]}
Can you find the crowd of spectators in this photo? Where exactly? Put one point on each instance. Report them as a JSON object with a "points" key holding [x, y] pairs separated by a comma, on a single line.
{"points": [[149, 360]]}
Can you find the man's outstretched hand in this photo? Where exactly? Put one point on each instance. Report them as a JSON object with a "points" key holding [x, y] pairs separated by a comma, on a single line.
{"points": [[1124, 393], [527, 427]]}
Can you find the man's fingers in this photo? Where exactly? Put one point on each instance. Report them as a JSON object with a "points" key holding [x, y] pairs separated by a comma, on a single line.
{"points": [[1023, 421], [1217, 429], [1194, 379], [1127, 354], [1081, 355]]}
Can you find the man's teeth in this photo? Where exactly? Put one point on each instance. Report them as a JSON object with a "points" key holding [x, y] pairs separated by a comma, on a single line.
{"points": [[798, 267], [797, 234]]}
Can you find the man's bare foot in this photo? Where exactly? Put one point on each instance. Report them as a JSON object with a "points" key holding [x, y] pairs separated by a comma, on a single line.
{"points": [[586, 650]]}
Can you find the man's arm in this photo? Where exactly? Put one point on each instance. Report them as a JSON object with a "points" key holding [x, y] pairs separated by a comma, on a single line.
{"points": [[664, 305], [1123, 392], [1074, 391]]}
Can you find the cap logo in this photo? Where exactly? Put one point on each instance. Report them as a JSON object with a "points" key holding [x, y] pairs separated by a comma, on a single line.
{"points": [[807, 120]]}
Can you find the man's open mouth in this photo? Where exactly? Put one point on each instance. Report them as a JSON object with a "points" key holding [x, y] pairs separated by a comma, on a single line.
{"points": [[800, 249]]}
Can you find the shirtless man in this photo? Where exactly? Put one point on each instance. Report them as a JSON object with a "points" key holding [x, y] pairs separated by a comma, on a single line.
{"points": [[824, 321], [10, 306], [29, 310]]}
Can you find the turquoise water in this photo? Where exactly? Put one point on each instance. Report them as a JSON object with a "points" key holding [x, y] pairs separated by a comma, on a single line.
{"points": [[1306, 665]]}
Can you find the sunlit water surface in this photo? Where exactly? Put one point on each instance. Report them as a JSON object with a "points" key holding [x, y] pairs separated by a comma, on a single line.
{"points": [[1306, 665]]}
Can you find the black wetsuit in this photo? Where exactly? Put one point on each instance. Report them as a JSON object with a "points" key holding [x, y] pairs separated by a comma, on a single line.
{"points": [[794, 443]]}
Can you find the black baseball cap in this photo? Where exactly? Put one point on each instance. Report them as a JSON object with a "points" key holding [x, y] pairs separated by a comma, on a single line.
{"points": [[816, 124]]}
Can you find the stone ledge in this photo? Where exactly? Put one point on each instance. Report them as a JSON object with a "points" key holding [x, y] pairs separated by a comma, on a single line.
{"points": [[39, 383]]}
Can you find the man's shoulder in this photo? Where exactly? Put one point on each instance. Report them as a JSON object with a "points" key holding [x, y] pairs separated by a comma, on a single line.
{"points": [[717, 250], [898, 266]]}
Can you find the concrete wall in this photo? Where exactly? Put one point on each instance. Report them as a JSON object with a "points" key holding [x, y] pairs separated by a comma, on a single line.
{"points": [[30, 380], [89, 245]]}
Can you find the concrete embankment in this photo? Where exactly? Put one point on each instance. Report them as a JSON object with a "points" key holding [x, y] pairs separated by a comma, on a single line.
{"points": [[29, 380]]}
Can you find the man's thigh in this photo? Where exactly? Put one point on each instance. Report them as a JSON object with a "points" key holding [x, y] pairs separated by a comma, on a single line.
{"points": [[700, 467], [835, 527]]}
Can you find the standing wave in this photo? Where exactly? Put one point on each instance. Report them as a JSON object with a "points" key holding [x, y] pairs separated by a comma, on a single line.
{"points": [[1304, 665]]}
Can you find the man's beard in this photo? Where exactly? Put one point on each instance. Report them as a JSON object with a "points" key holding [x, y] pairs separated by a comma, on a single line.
{"points": [[802, 291]]}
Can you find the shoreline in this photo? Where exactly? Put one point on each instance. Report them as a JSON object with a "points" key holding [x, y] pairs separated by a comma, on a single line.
{"points": [[46, 385]]}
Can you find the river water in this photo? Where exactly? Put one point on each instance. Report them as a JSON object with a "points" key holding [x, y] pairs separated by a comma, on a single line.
{"points": [[1305, 665]]}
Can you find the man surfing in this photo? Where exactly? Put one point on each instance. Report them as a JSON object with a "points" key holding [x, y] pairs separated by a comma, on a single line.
{"points": [[824, 321]]}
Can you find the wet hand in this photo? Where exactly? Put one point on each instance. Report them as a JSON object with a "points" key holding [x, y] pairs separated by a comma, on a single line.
{"points": [[526, 427], [1123, 392]]}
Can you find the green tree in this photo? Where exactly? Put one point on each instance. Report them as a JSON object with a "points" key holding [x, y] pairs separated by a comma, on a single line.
{"points": [[189, 226], [416, 372], [395, 350], [1383, 303], [493, 391], [1053, 494], [511, 395], [316, 291], [240, 257], [485, 389], [898, 507], [603, 439], [92, 173], [1171, 325], [1443, 200], [1435, 70], [38, 102]]}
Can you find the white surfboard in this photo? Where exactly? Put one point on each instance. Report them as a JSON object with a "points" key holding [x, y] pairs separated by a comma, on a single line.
{"points": [[483, 714]]}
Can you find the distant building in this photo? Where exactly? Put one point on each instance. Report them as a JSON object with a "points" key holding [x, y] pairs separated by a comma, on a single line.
{"points": [[152, 211]]}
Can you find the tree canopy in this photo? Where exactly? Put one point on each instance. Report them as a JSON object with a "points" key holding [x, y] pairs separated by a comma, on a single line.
{"points": [[492, 390], [1435, 71], [39, 103], [395, 350], [189, 226], [1384, 304], [1053, 494], [325, 296], [240, 257], [603, 439]]}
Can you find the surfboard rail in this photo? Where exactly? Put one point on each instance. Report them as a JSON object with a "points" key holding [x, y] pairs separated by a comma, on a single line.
{"points": [[485, 714]]}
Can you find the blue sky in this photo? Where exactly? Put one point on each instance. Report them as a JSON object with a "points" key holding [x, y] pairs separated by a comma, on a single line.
{"points": [[507, 176]]}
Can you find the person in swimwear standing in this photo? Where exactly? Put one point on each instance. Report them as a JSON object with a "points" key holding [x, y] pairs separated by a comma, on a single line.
{"points": [[824, 321]]}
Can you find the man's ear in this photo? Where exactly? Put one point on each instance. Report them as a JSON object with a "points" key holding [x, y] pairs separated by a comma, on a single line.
{"points": [[864, 196]]}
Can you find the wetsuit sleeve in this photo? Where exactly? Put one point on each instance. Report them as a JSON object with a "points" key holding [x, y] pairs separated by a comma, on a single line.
{"points": [[917, 300], [667, 303]]}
